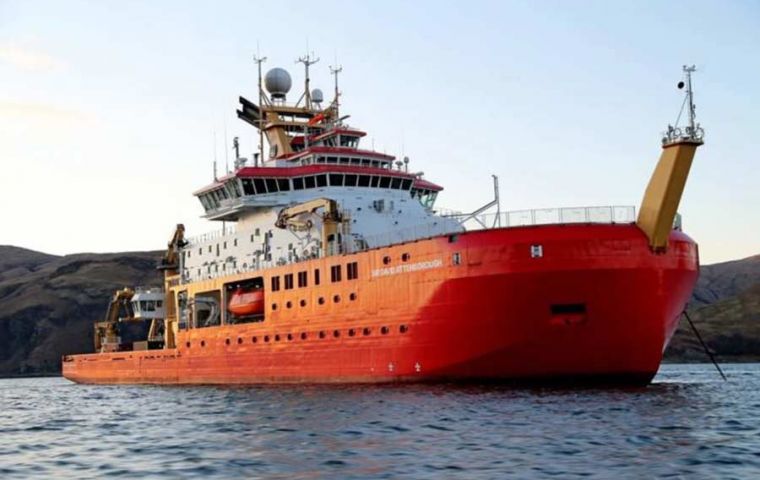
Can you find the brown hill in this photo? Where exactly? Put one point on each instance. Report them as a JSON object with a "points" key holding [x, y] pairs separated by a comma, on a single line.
{"points": [[48, 304]]}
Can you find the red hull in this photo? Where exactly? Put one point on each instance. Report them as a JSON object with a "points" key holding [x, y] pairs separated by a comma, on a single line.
{"points": [[597, 305]]}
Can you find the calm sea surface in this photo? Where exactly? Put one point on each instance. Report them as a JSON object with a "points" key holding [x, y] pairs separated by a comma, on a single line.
{"points": [[688, 424]]}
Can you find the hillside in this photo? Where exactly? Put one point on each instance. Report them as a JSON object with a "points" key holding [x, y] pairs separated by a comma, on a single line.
{"points": [[48, 304]]}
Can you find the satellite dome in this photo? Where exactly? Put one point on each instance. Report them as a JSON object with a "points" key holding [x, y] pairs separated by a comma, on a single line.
{"points": [[317, 96], [277, 82]]}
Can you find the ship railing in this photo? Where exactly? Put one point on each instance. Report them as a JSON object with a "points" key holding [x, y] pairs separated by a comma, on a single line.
{"points": [[208, 236], [609, 214]]}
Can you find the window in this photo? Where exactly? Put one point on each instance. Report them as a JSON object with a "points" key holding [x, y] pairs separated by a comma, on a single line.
{"points": [[350, 180], [302, 279], [283, 184], [321, 180], [271, 185], [335, 273], [456, 258], [288, 281], [375, 181], [309, 182], [259, 184], [385, 182], [336, 180], [405, 184], [352, 270], [248, 186], [298, 183], [316, 276], [275, 283], [396, 183], [364, 180]]}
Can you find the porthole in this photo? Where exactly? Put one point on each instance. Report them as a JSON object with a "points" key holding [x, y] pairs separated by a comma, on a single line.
{"points": [[289, 304], [352, 297], [366, 331], [403, 329], [303, 336], [254, 340], [277, 338], [386, 260], [274, 306], [266, 338], [405, 257], [187, 344], [384, 330], [351, 332], [321, 301], [336, 298], [302, 303], [227, 341], [336, 333], [290, 336], [240, 340], [322, 334], [203, 343]]}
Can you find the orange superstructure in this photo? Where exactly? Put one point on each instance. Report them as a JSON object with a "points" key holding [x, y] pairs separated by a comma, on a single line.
{"points": [[339, 270]]}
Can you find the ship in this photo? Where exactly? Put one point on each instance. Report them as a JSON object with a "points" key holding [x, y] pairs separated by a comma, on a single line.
{"points": [[333, 265]]}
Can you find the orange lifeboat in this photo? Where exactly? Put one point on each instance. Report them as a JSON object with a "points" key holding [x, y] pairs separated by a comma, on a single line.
{"points": [[243, 303]]}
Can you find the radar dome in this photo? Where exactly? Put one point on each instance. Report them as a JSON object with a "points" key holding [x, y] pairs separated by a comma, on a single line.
{"points": [[277, 82], [317, 96]]}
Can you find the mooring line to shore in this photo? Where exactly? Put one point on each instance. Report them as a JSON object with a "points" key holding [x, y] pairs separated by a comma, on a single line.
{"points": [[704, 345]]}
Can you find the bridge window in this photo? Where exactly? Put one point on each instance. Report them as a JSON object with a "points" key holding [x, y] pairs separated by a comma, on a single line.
{"points": [[356, 161], [396, 183], [352, 270], [385, 182], [234, 188], [258, 183], [375, 181], [332, 159], [271, 185], [336, 180], [350, 180], [288, 281], [335, 275], [364, 180], [298, 183], [283, 184], [405, 184], [365, 162], [321, 180], [309, 182], [248, 186]]}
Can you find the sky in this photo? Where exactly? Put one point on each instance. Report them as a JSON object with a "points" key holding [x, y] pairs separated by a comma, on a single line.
{"points": [[109, 110]]}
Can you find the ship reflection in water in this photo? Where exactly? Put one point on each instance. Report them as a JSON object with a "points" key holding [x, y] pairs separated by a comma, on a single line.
{"points": [[688, 424]]}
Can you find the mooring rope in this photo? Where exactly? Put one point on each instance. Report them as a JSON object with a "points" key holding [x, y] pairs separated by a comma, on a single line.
{"points": [[704, 345]]}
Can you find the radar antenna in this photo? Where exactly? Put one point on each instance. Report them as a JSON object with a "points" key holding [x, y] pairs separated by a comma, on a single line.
{"points": [[259, 60], [307, 60]]}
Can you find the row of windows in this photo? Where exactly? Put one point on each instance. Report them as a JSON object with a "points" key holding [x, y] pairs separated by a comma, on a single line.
{"points": [[351, 332], [303, 277], [259, 186]]}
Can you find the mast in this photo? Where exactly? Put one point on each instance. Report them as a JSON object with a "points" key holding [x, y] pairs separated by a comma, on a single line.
{"points": [[259, 61], [307, 62], [665, 189], [335, 70]]}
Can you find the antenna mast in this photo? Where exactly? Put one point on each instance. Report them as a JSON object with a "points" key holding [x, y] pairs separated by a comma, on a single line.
{"points": [[335, 70], [259, 60], [307, 62]]}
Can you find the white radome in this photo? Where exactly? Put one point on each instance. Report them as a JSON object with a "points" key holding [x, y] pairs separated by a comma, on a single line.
{"points": [[277, 82], [317, 96]]}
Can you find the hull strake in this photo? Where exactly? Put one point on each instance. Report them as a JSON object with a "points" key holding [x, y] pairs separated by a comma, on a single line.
{"points": [[595, 305]]}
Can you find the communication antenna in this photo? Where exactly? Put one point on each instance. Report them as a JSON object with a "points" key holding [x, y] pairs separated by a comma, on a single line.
{"points": [[259, 60], [307, 60], [335, 70], [215, 177], [226, 148]]}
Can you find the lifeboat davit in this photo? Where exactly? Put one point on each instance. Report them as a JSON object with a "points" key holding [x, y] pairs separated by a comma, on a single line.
{"points": [[250, 302]]}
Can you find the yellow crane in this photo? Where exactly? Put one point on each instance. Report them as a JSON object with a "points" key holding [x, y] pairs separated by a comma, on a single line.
{"points": [[293, 217], [663, 194], [106, 331]]}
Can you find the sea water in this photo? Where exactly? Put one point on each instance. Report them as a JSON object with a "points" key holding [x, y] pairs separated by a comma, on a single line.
{"points": [[687, 424]]}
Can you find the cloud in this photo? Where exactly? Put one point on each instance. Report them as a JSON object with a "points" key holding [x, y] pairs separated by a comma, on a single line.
{"points": [[27, 59], [19, 110]]}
